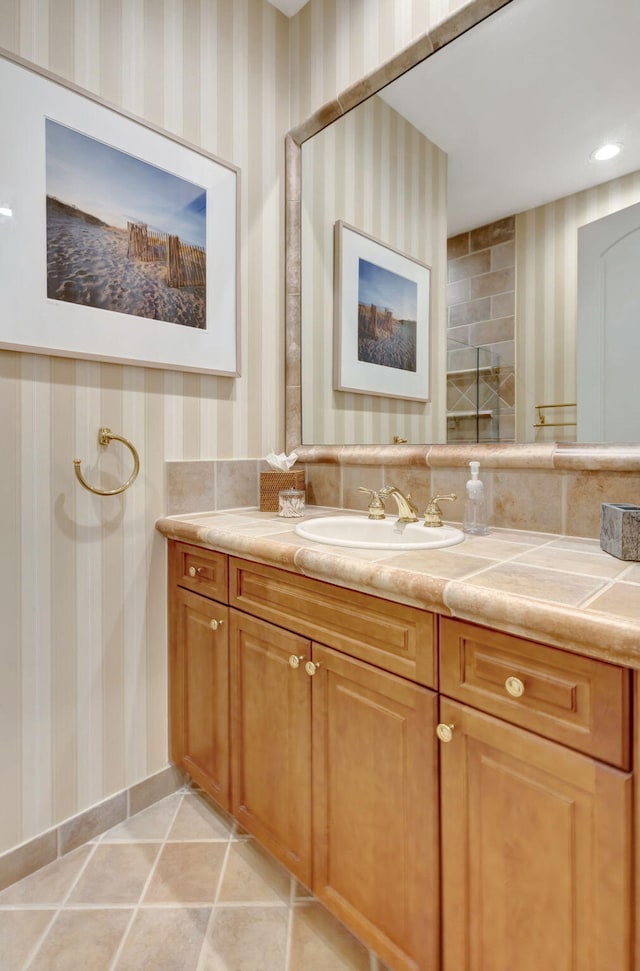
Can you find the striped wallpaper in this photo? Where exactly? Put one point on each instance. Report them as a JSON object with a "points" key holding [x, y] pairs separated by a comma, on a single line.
{"points": [[82, 598], [369, 169], [334, 43], [546, 301]]}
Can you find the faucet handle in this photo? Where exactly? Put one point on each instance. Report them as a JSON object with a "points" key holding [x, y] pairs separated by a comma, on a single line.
{"points": [[376, 505], [433, 512]]}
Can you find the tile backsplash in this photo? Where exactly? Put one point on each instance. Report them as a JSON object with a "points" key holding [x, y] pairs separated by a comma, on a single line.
{"points": [[197, 486], [563, 501]]}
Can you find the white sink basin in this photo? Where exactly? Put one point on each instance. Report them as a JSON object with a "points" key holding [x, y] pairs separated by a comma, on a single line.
{"points": [[358, 532]]}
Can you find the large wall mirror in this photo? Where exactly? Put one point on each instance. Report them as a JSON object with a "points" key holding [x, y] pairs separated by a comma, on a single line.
{"points": [[478, 161]]}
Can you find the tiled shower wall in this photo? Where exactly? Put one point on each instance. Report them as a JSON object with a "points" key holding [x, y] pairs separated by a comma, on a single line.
{"points": [[481, 307]]}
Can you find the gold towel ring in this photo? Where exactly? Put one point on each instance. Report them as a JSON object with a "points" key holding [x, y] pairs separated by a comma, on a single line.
{"points": [[105, 435]]}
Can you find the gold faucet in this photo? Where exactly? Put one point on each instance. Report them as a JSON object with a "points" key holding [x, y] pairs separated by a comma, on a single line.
{"points": [[433, 512], [407, 512]]}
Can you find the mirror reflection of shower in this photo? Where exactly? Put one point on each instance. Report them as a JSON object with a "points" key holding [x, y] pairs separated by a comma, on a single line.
{"points": [[480, 398], [481, 299]]}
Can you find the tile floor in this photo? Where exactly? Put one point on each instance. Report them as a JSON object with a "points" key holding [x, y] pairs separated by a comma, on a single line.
{"points": [[175, 888]]}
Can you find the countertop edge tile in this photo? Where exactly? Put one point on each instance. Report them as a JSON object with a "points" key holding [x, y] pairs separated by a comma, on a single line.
{"points": [[571, 628], [608, 636], [374, 577]]}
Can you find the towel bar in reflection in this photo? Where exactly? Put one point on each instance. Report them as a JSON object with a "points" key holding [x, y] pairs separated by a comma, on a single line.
{"points": [[542, 418], [105, 435]]}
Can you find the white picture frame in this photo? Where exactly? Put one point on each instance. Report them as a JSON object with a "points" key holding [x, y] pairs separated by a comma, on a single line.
{"points": [[381, 318], [60, 293]]}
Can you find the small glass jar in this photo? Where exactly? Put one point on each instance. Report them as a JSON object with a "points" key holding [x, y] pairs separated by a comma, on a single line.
{"points": [[291, 503]]}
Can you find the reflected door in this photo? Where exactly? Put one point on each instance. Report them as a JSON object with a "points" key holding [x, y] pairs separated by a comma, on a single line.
{"points": [[608, 330]]}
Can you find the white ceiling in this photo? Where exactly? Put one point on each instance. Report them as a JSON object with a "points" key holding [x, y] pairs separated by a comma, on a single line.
{"points": [[288, 7], [520, 102]]}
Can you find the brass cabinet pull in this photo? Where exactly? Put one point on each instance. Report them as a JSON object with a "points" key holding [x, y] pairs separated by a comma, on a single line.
{"points": [[193, 572], [515, 687], [294, 660], [444, 732], [311, 668], [216, 623]]}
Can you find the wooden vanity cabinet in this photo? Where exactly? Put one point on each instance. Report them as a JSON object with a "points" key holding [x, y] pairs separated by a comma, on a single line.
{"points": [[334, 759], [310, 711], [271, 739], [536, 836], [199, 667], [375, 807]]}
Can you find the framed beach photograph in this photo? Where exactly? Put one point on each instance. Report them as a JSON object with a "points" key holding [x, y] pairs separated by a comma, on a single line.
{"points": [[118, 242], [381, 318]]}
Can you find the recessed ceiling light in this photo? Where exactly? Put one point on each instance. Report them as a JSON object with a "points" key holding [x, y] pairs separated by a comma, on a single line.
{"points": [[5, 211], [606, 152]]}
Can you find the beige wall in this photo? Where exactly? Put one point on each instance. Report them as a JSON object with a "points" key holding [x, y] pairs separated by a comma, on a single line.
{"points": [[376, 172], [82, 601], [334, 43]]}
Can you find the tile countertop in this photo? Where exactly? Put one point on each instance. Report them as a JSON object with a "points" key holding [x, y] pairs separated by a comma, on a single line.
{"points": [[561, 590]]}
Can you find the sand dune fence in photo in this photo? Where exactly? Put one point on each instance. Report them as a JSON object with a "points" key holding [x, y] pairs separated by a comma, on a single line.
{"points": [[123, 235], [387, 311], [186, 264]]}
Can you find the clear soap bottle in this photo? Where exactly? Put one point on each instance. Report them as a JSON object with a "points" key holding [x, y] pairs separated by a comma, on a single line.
{"points": [[475, 517]]}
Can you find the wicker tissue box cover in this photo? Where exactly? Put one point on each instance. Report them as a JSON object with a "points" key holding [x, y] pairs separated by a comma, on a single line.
{"points": [[271, 483]]}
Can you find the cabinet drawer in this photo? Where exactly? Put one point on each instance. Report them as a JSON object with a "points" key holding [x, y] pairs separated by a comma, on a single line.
{"points": [[575, 700], [200, 570], [392, 636]]}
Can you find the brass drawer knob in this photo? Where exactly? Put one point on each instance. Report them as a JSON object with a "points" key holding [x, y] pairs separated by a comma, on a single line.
{"points": [[444, 732], [311, 668], [195, 571], [515, 687], [216, 623], [294, 660]]}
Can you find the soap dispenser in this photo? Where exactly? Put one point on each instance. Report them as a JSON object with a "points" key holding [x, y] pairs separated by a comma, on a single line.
{"points": [[475, 518]]}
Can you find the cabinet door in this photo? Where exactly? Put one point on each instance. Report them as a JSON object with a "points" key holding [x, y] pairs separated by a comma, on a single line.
{"points": [[199, 691], [270, 728], [376, 807], [536, 852]]}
